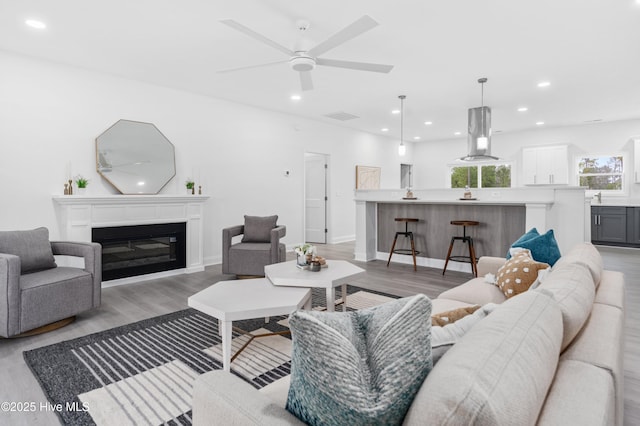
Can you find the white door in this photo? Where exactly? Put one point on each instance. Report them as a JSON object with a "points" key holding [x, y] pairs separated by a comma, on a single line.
{"points": [[315, 198]]}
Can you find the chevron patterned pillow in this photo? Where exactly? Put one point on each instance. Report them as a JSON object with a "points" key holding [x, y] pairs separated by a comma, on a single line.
{"points": [[362, 367]]}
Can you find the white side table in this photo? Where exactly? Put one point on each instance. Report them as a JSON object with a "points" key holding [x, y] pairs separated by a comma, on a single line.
{"points": [[337, 273], [236, 300]]}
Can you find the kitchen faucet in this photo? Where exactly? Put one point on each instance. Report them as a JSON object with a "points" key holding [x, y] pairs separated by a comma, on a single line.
{"points": [[598, 196]]}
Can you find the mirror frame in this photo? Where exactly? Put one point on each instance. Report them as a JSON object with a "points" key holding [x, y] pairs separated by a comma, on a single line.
{"points": [[100, 167]]}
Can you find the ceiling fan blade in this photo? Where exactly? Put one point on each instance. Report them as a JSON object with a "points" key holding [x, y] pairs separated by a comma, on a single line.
{"points": [[362, 66], [355, 29], [248, 31], [305, 80], [251, 66]]}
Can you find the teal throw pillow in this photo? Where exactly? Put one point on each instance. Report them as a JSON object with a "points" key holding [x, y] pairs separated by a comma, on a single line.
{"points": [[362, 367], [544, 248], [532, 233]]}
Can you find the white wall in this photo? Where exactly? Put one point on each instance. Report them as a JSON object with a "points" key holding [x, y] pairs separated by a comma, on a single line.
{"points": [[597, 138], [50, 115]]}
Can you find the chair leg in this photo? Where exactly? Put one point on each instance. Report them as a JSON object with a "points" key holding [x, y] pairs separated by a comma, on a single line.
{"points": [[472, 255], [413, 253], [446, 262], [393, 246]]}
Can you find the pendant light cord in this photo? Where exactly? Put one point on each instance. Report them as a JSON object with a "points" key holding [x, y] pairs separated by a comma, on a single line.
{"points": [[402, 119]]}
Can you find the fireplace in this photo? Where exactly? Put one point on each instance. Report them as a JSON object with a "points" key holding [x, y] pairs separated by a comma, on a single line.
{"points": [[129, 251]]}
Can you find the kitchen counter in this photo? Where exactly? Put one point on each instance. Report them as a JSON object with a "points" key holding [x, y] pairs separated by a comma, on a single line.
{"points": [[563, 209]]}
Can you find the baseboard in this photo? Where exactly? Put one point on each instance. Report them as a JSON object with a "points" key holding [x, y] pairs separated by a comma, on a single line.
{"points": [[343, 239], [425, 261], [146, 277]]}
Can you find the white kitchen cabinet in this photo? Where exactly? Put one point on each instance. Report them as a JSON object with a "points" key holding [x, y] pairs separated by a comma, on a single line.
{"points": [[545, 165]]}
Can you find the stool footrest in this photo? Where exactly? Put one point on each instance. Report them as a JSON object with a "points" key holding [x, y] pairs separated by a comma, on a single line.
{"points": [[406, 251], [461, 258]]}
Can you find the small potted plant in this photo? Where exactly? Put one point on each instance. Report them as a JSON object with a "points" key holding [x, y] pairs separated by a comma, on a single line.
{"points": [[191, 186], [81, 183], [304, 254]]}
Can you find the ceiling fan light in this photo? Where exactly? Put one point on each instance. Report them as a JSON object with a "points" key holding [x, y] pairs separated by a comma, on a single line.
{"points": [[302, 63]]}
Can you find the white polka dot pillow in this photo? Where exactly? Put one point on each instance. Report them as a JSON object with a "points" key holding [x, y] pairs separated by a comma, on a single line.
{"points": [[518, 273]]}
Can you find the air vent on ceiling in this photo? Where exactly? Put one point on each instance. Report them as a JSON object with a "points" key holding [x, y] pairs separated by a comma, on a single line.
{"points": [[342, 116]]}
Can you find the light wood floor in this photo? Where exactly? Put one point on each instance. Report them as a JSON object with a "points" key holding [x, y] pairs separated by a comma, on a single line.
{"points": [[126, 304]]}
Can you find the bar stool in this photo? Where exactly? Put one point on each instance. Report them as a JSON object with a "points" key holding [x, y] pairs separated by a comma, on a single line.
{"points": [[465, 239], [406, 234]]}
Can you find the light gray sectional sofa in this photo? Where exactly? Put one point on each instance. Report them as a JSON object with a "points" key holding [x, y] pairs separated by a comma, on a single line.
{"points": [[549, 356]]}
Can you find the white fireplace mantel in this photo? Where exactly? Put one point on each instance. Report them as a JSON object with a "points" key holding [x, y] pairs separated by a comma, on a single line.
{"points": [[78, 215]]}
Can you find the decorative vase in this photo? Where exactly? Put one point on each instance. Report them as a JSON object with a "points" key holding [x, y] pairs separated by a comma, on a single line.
{"points": [[81, 191], [301, 260]]}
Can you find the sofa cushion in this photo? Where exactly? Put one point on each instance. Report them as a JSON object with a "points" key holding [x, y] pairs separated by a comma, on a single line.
{"points": [[612, 293], [600, 344], [32, 247], [544, 248], [587, 254], [449, 317], [518, 273], [594, 405], [474, 292], [362, 367], [572, 287], [499, 372], [444, 337], [258, 229]]}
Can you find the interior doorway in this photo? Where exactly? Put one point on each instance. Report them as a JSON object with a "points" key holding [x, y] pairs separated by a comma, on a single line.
{"points": [[406, 175], [316, 199]]}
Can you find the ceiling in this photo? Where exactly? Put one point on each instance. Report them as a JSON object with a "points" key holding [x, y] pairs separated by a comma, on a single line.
{"points": [[588, 50]]}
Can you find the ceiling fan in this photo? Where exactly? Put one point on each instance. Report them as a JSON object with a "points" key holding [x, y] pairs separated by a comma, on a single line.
{"points": [[304, 60]]}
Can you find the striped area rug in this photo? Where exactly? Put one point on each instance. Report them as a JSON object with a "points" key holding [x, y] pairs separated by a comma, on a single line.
{"points": [[143, 373]]}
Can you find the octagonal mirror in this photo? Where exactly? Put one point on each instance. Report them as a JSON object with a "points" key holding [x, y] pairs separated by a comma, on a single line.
{"points": [[135, 157]]}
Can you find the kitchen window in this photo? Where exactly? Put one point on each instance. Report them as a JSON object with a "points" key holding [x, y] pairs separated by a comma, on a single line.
{"points": [[494, 175], [601, 172]]}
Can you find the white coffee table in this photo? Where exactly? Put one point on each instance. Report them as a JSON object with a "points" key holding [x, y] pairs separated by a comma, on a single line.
{"points": [[337, 273], [236, 300]]}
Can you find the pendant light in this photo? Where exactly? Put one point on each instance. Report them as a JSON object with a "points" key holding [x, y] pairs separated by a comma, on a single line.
{"points": [[479, 131], [402, 149], [482, 142]]}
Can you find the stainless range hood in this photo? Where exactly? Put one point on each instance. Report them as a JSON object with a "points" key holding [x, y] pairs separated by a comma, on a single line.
{"points": [[479, 132]]}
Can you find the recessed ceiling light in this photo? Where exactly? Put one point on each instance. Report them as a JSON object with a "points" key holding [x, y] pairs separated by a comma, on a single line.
{"points": [[544, 84], [384, 129], [296, 97], [457, 133], [395, 111], [416, 138], [539, 123], [34, 23], [523, 109], [428, 123]]}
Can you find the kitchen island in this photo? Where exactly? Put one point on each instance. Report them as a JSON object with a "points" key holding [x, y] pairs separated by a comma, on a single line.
{"points": [[504, 214]]}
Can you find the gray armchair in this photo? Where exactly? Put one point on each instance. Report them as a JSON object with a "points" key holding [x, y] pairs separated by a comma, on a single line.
{"points": [[260, 246], [34, 291]]}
